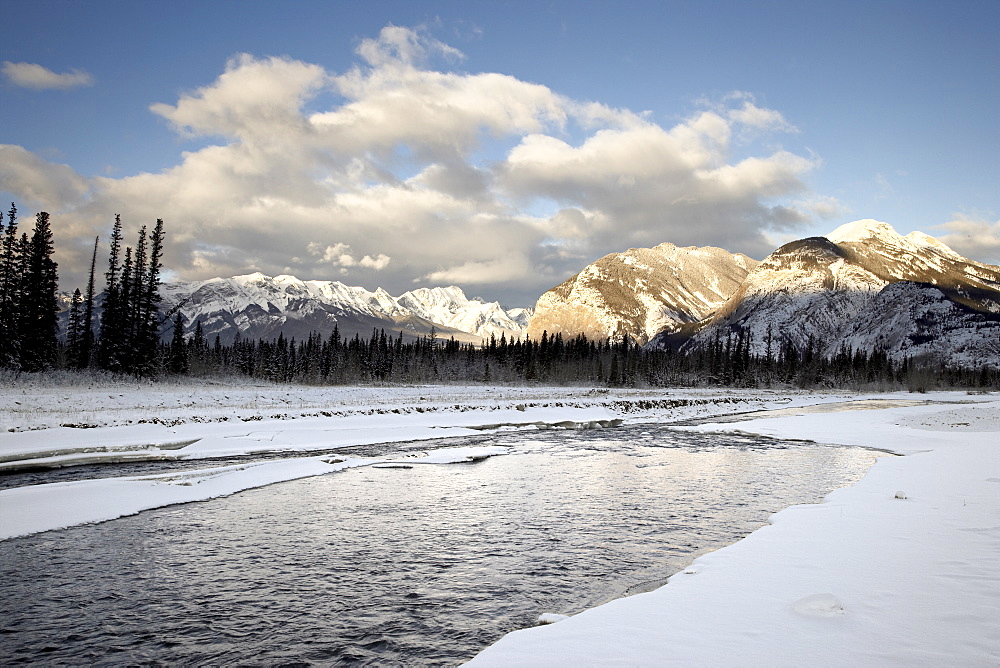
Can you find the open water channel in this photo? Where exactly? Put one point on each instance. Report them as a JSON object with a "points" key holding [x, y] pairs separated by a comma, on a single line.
{"points": [[421, 566]]}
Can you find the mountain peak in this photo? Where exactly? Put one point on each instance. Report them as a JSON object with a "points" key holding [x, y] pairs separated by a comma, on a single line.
{"points": [[640, 292], [861, 230]]}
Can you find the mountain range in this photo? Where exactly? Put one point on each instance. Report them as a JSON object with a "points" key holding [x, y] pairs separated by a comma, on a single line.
{"points": [[260, 306], [863, 286]]}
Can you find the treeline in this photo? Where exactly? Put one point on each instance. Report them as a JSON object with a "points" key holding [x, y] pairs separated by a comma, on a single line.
{"points": [[383, 358], [127, 338]]}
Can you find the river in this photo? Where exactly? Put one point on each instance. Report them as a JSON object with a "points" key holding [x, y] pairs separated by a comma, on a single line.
{"points": [[420, 566]]}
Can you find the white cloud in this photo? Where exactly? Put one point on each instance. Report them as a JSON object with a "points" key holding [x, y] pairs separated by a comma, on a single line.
{"points": [[973, 237], [339, 255], [379, 262], [751, 116], [253, 100], [32, 75], [451, 177], [496, 270], [38, 182], [399, 45]]}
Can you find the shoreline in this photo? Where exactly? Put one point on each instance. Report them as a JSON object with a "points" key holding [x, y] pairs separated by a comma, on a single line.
{"points": [[898, 569]]}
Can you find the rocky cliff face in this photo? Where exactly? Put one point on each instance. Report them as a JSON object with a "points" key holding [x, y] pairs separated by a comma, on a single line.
{"points": [[641, 292]]}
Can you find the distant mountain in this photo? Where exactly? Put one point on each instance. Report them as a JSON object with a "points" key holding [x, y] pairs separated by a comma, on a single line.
{"points": [[865, 286], [641, 292], [450, 307], [260, 306]]}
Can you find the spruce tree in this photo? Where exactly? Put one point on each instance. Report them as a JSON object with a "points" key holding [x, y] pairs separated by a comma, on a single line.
{"points": [[149, 316], [82, 360], [39, 308], [177, 355], [137, 351], [74, 337], [11, 281], [109, 339], [124, 314]]}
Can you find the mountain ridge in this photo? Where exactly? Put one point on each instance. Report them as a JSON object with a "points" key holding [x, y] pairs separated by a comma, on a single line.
{"points": [[640, 292], [260, 306], [864, 286]]}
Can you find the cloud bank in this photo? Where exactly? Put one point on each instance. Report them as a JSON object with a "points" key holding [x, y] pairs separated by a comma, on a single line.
{"points": [[421, 175]]}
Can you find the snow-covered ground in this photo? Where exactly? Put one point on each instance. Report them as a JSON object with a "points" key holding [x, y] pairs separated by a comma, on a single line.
{"points": [[54, 425], [901, 569]]}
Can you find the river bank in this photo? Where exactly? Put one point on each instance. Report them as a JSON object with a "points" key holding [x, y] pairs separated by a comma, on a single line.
{"points": [[899, 569]]}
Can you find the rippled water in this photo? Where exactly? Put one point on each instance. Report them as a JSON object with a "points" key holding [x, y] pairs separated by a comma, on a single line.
{"points": [[400, 567]]}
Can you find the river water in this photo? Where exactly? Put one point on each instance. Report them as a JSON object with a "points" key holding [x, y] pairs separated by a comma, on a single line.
{"points": [[421, 566]]}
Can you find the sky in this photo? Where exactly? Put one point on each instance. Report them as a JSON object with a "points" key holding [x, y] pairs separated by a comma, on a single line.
{"points": [[497, 146]]}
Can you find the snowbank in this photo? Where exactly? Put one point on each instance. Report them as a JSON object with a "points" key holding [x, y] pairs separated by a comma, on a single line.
{"points": [[900, 569]]}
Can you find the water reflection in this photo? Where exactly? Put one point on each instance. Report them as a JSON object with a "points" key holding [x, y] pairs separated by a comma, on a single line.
{"points": [[421, 566]]}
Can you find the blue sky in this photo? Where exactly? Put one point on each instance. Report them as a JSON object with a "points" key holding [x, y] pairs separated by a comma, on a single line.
{"points": [[500, 146]]}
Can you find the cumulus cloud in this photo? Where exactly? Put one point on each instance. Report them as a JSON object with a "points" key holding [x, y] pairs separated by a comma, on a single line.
{"points": [[428, 174], [253, 100], [38, 182], [33, 75], [339, 255], [974, 237]]}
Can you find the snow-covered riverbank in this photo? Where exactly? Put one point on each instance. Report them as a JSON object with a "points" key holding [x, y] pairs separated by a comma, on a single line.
{"points": [[54, 426], [901, 569]]}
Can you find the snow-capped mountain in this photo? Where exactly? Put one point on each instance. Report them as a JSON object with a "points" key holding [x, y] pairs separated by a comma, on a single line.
{"points": [[260, 306], [641, 292], [450, 307], [865, 285]]}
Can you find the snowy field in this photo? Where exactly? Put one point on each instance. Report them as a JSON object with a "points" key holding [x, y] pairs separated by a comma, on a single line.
{"points": [[901, 569]]}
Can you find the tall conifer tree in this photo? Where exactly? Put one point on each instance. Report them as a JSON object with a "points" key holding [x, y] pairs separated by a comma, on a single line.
{"points": [[39, 308], [74, 337], [83, 359], [10, 288], [109, 339]]}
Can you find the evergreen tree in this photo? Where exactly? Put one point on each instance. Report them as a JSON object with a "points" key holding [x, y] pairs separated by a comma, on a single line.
{"points": [[177, 356], [139, 357], [10, 293], [39, 308], [150, 303], [82, 360], [126, 330], [109, 339], [74, 337]]}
